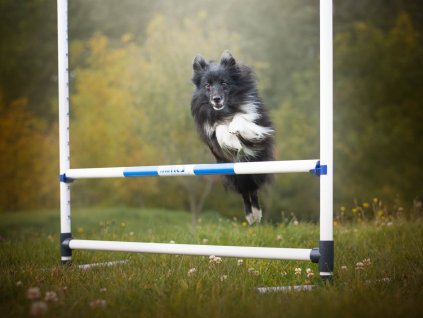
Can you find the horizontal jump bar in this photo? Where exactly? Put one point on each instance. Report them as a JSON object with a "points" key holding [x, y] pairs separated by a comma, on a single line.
{"points": [[261, 167], [191, 249]]}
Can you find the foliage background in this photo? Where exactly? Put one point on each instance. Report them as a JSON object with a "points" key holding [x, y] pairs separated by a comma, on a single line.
{"points": [[130, 69]]}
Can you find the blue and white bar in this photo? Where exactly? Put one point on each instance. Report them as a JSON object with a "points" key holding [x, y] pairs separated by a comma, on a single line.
{"points": [[300, 254], [263, 167]]}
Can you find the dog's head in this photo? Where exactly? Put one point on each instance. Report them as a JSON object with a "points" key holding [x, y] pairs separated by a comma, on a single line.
{"points": [[215, 80]]}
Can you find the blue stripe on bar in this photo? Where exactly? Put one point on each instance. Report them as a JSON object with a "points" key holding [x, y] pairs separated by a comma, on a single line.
{"points": [[217, 168], [148, 171], [200, 169]]}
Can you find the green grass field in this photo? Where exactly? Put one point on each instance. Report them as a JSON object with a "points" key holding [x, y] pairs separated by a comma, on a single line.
{"points": [[389, 283]]}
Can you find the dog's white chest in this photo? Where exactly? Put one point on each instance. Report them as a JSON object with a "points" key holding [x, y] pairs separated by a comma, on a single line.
{"points": [[228, 133]]}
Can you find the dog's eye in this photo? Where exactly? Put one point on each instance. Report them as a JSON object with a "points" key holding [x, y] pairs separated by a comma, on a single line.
{"points": [[224, 84], [207, 86]]}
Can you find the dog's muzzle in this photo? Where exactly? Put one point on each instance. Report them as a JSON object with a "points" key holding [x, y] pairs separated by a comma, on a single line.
{"points": [[217, 103]]}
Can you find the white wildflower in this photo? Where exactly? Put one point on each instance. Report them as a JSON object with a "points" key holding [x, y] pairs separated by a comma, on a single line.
{"points": [[51, 296], [215, 259], [359, 266], [192, 271], [363, 264], [33, 293], [366, 262], [253, 271]]}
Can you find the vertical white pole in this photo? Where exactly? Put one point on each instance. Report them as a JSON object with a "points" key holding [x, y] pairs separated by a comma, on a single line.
{"points": [[63, 78], [326, 139]]}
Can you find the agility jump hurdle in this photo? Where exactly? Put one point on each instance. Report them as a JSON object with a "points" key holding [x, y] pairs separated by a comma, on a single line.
{"points": [[323, 167]]}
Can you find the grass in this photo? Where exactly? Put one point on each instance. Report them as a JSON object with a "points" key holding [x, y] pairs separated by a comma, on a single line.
{"points": [[151, 285]]}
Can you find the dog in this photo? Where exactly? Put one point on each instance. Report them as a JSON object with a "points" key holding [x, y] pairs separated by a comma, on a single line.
{"points": [[232, 121]]}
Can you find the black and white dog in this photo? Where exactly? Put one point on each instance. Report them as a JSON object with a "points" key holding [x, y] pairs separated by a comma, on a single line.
{"points": [[232, 121]]}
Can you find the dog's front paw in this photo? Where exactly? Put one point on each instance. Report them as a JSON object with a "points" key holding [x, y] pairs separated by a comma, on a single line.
{"points": [[242, 126], [226, 139], [234, 127]]}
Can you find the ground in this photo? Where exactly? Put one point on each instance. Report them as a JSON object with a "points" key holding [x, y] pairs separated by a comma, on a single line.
{"points": [[378, 268]]}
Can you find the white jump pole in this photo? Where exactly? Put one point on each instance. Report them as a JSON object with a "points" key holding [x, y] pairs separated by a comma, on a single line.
{"points": [[326, 246], [63, 78], [290, 166]]}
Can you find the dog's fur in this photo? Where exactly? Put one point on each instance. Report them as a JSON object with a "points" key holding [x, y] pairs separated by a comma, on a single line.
{"points": [[232, 121]]}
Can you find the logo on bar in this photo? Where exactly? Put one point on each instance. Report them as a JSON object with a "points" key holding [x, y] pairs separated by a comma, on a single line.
{"points": [[173, 170]]}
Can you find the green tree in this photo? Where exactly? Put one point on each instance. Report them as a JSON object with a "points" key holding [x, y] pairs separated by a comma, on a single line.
{"points": [[27, 161], [378, 110], [27, 40]]}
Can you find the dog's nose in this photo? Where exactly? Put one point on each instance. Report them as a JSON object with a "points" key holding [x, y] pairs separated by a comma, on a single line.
{"points": [[217, 99]]}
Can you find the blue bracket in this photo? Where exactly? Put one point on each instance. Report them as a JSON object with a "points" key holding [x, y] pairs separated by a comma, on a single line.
{"points": [[65, 179], [319, 169]]}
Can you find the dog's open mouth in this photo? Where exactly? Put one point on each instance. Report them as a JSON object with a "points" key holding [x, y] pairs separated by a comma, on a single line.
{"points": [[218, 106]]}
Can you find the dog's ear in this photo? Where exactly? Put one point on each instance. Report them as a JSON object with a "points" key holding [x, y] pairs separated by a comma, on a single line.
{"points": [[199, 64], [227, 59]]}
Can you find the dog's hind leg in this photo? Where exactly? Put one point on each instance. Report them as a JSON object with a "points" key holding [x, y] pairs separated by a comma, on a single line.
{"points": [[252, 207], [247, 207], [255, 207]]}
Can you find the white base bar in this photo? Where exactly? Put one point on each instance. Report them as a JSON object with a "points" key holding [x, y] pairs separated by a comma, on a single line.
{"points": [[191, 249], [105, 264], [285, 289]]}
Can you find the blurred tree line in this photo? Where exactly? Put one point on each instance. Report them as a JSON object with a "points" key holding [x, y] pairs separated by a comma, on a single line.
{"points": [[130, 69]]}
